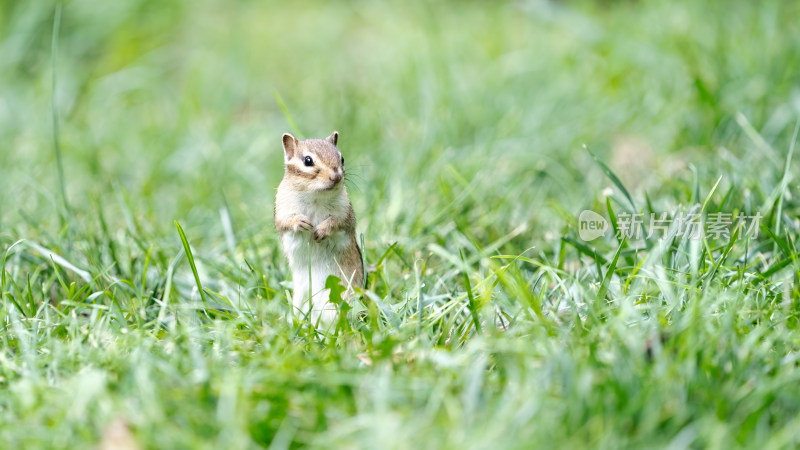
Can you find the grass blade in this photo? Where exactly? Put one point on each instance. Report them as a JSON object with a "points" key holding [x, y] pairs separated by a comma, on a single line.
{"points": [[472, 307], [612, 177], [785, 179], [601, 293], [190, 257], [54, 108]]}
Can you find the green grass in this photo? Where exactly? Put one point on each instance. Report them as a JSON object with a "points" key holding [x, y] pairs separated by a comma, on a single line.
{"points": [[487, 322]]}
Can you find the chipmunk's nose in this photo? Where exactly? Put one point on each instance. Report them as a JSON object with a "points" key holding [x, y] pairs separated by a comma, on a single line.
{"points": [[336, 176]]}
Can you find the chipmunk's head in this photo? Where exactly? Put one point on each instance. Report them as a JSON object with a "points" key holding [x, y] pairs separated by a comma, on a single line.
{"points": [[313, 164]]}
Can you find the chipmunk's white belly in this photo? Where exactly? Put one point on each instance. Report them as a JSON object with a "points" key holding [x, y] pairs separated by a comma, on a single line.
{"points": [[299, 246]]}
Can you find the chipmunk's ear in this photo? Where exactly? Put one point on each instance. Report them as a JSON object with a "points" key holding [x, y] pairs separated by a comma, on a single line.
{"points": [[289, 145], [333, 138]]}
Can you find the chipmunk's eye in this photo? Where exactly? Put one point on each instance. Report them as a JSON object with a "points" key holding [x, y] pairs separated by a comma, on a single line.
{"points": [[308, 161], [342, 160]]}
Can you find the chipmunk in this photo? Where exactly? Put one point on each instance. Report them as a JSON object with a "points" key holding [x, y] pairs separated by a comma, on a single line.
{"points": [[314, 217]]}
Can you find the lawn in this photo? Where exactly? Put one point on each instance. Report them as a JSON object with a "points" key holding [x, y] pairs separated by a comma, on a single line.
{"points": [[145, 301]]}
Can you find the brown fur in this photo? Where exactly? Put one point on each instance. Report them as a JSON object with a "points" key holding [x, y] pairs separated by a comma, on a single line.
{"points": [[296, 171]]}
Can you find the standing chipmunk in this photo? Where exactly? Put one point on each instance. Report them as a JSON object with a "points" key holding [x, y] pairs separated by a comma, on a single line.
{"points": [[314, 217]]}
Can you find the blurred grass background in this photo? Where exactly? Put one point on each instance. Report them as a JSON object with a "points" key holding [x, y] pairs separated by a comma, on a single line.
{"points": [[462, 124]]}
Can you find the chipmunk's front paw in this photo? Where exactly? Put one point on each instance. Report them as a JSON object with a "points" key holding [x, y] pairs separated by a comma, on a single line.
{"points": [[322, 230], [301, 222]]}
